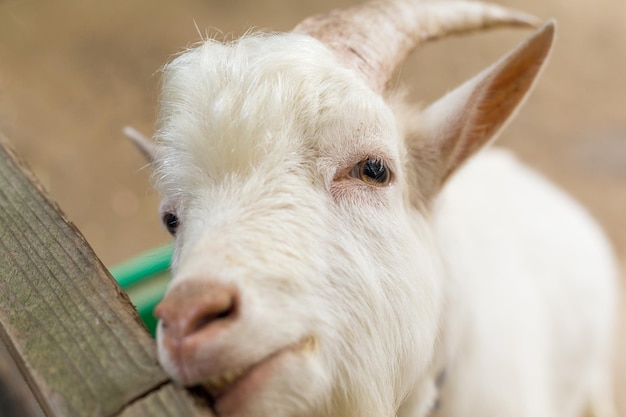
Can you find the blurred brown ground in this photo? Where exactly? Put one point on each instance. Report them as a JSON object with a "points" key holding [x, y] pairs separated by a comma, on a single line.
{"points": [[74, 72]]}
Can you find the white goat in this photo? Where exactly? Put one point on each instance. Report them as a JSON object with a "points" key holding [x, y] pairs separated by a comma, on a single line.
{"points": [[331, 261]]}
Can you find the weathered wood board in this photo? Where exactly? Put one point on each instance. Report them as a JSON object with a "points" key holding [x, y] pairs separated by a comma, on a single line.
{"points": [[16, 398], [68, 326]]}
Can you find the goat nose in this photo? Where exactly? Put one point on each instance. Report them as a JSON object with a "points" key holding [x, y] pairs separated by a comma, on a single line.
{"points": [[193, 306]]}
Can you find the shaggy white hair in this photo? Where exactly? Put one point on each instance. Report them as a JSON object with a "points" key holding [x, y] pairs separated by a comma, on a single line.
{"points": [[304, 285], [248, 160]]}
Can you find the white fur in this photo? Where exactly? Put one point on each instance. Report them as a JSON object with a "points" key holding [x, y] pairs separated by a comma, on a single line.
{"points": [[531, 295], [506, 284]]}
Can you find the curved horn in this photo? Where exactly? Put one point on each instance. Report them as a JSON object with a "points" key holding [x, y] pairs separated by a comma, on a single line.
{"points": [[374, 38]]}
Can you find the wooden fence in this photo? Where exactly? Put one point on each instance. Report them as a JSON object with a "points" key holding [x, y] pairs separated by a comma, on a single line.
{"points": [[71, 343]]}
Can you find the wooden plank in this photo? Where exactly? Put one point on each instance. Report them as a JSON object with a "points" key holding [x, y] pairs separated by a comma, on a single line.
{"points": [[16, 398], [72, 331], [169, 401]]}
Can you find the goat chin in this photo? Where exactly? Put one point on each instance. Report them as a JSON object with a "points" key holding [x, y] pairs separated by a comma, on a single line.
{"points": [[340, 254]]}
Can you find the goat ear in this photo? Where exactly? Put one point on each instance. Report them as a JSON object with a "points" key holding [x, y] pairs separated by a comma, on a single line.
{"points": [[145, 145], [468, 118]]}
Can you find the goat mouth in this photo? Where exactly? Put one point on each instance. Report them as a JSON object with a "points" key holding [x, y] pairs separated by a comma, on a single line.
{"points": [[229, 390]]}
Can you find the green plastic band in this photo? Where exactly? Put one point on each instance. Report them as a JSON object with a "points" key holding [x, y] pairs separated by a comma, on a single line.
{"points": [[145, 312], [143, 266]]}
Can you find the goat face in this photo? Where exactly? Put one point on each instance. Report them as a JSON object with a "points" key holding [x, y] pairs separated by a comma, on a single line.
{"points": [[301, 270], [306, 280]]}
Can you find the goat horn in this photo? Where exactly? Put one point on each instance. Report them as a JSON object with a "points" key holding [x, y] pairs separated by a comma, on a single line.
{"points": [[374, 38], [145, 145]]}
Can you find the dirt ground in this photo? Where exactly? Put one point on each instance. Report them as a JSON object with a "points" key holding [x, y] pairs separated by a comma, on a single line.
{"points": [[74, 72]]}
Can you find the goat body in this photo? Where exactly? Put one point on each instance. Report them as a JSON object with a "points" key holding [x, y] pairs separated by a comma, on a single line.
{"points": [[336, 256], [530, 295]]}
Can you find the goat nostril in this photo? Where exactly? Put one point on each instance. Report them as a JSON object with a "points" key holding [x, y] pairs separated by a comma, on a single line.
{"points": [[205, 320], [193, 306], [220, 306]]}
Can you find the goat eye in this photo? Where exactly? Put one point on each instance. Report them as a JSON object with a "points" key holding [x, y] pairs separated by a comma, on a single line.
{"points": [[171, 222], [372, 171]]}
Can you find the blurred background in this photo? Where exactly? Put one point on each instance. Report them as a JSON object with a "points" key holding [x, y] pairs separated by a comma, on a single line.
{"points": [[74, 72]]}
